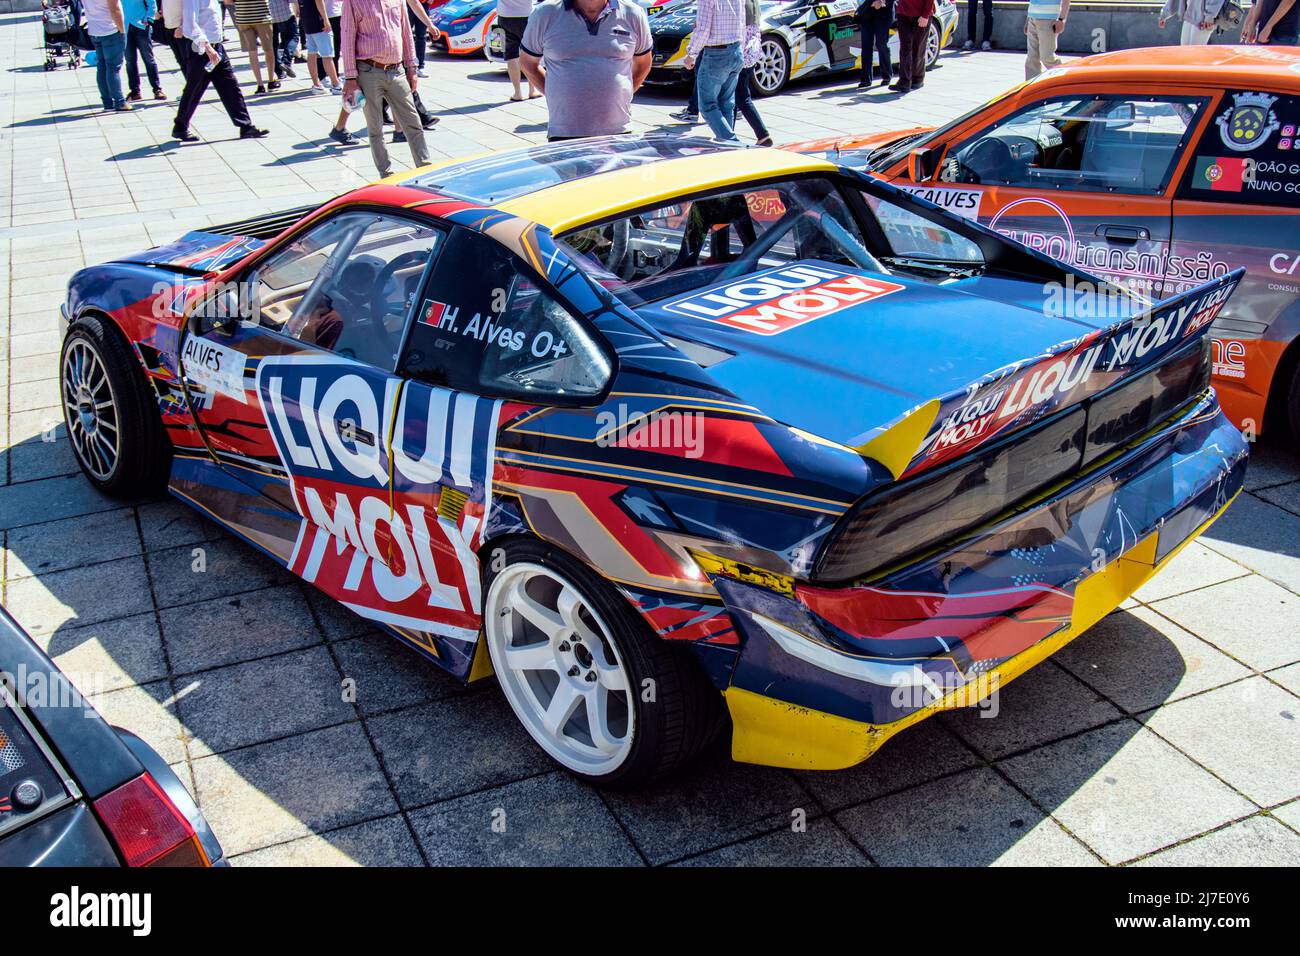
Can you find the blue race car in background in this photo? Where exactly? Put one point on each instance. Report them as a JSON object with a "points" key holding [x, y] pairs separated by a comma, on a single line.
{"points": [[465, 24]]}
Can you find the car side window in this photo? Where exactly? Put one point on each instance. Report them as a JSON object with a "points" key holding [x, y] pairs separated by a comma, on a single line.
{"points": [[487, 324], [1099, 144], [346, 285], [1248, 153], [912, 236]]}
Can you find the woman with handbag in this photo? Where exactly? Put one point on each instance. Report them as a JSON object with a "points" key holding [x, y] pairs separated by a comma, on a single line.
{"points": [[1199, 17]]}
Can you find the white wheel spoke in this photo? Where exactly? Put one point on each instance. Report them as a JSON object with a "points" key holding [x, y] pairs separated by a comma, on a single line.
{"points": [[533, 657], [612, 678], [598, 721], [541, 617], [560, 710]]}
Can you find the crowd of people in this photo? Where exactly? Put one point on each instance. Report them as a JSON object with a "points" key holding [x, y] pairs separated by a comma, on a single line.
{"points": [[586, 57]]}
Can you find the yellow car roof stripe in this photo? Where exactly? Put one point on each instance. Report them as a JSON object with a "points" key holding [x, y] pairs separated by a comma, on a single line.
{"points": [[568, 205]]}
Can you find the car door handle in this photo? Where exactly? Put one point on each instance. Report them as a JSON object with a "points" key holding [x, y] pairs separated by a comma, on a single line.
{"points": [[348, 428], [1127, 234]]}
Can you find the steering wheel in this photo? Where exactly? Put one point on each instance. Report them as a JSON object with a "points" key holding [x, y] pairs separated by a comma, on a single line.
{"points": [[988, 159], [381, 304]]}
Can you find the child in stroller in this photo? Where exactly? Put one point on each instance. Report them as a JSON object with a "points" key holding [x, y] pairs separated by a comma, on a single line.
{"points": [[64, 35]]}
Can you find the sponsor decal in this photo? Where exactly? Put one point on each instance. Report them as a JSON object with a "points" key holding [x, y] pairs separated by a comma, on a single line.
{"points": [[1284, 264], [1248, 122], [1229, 358], [392, 557], [959, 202], [777, 300], [1027, 391], [215, 367], [1044, 226]]}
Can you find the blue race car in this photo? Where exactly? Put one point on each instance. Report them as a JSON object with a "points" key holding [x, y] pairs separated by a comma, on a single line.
{"points": [[659, 432], [465, 24]]}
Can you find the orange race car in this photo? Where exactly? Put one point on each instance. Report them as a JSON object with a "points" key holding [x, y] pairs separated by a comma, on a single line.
{"points": [[1158, 169]]}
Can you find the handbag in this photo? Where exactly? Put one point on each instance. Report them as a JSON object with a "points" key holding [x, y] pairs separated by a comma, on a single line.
{"points": [[1230, 17]]}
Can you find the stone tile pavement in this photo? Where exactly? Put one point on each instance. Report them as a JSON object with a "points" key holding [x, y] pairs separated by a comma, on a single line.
{"points": [[1167, 735]]}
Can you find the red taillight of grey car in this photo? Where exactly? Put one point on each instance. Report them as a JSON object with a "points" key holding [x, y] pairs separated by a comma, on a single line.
{"points": [[146, 827]]}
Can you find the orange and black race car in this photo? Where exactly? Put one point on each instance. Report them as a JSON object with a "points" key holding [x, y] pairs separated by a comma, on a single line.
{"points": [[1158, 169]]}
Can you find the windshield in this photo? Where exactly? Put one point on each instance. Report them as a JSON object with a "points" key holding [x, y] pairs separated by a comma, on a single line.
{"points": [[701, 240], [894, 152]]}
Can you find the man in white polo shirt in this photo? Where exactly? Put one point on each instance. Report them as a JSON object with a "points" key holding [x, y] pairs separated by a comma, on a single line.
{"points": [[597, 55]]}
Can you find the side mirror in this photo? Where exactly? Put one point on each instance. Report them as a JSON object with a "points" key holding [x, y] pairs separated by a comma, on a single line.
{"points": [[923, 163], [219, 312]]}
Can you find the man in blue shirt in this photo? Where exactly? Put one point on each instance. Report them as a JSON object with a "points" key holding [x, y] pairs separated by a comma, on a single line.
{"points": [[139, 16]]}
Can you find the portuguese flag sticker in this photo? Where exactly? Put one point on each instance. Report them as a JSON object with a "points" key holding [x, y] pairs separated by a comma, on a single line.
{"points": [[1220, 173]]}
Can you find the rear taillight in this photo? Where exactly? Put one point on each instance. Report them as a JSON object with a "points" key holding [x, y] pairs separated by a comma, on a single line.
{"points": [[147, 828]]}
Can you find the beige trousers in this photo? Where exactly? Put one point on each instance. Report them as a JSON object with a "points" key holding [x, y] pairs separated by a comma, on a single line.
{"points": [[1042, 48], [379, 85]]}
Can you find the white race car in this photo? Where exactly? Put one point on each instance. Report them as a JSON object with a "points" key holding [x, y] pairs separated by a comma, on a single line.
{"points": [[799, 38]]}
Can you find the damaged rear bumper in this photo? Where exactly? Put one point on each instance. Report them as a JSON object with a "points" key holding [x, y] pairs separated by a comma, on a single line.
{"points": [[827, 675]]}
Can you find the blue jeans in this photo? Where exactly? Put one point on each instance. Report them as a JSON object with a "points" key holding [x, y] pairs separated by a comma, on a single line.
{"points": [[139, 41], [716, 75], [110, 51]]}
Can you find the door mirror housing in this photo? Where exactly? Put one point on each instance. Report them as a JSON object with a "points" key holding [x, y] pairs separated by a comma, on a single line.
{"points": [[922, 163], [220, 311]]}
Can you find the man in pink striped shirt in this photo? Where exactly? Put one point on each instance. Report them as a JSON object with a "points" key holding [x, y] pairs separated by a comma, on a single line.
{"points": [[378, 56]]}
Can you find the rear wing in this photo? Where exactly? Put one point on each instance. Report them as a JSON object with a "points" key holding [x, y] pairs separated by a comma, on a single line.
{"points": [[1030, 390], [962, 460]]}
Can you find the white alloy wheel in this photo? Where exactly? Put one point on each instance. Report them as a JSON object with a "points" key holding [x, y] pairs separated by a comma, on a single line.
{"points": [[559, 668], [772, 70]]}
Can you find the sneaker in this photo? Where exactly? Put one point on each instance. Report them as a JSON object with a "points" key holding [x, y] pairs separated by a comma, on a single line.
{"points": [[430, 122], [319, 91], [260, 90], [134, 96], [273, 85], [252, 132], [399, 136], [159, 95], [765, 141], [685, 116], [968, 45], [986, 45], [342, 137], [289, 70], [420, 72], [336, 90], [124, 108]]}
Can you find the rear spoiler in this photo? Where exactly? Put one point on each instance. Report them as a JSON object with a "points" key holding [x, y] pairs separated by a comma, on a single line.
{"points": [[962, 460], [1027, 391]]}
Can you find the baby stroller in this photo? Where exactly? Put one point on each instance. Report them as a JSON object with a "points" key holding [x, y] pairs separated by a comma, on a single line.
{"points": [[62, 24]]}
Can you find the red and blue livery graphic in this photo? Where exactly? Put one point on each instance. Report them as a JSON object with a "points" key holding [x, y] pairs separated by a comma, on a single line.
{"points": [[663, 460]]}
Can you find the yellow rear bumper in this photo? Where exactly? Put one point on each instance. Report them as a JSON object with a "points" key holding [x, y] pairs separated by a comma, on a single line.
{"points": [[780, 734]]}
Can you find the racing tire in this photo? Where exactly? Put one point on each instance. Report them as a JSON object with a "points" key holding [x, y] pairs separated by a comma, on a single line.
{"points": [[110, 413], [933, 44], [551, 624], [772, 71]]}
